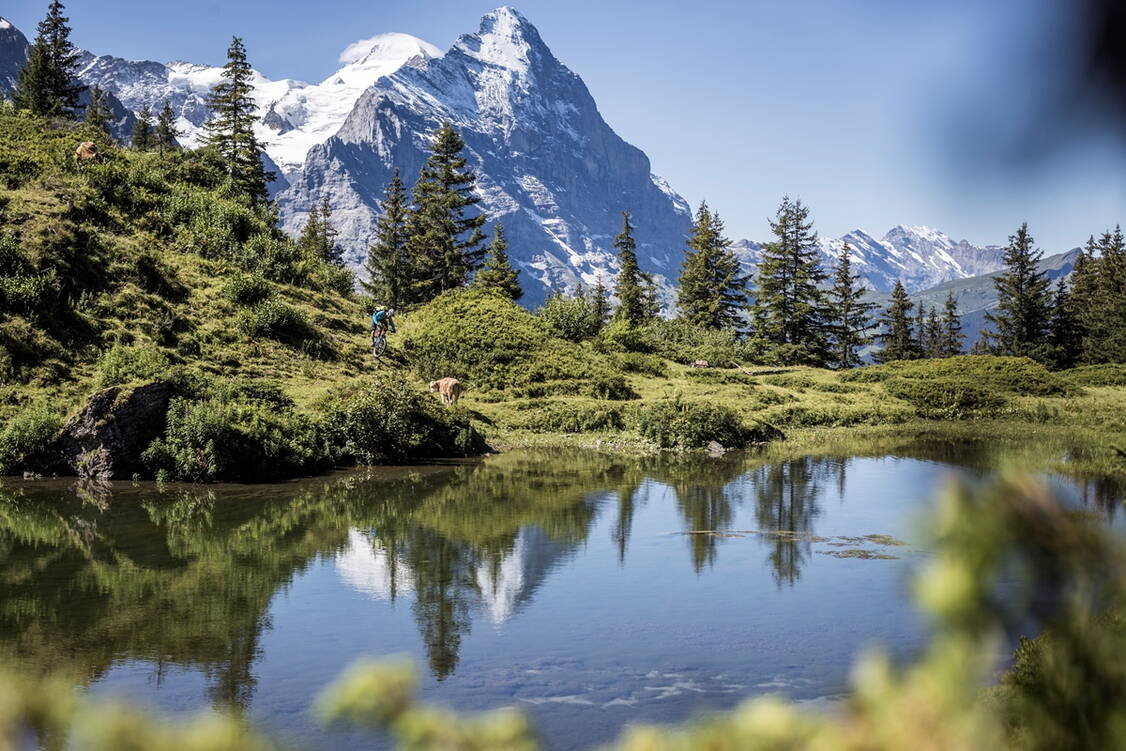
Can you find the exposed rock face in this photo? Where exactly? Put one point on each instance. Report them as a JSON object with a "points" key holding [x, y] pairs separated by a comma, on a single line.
{"points": [[548, 166], [105, 440], [13, 55]]}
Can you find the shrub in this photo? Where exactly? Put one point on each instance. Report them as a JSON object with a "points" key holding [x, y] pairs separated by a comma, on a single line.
{"points": [[275, 319], [221, 438], [1012, 375], [570, 318], [121, 364], [682, 342], [837, 416], [685, 425], [278, 258], [567, 417], [1096, 375], [619, 336], [946, 398], [482, 337], [637, 362], [389, 419], [27, 439], [340, 280], [247, 289]]}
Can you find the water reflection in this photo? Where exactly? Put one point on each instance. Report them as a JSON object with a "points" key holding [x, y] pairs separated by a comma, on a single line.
{"points": [[185, 577]]}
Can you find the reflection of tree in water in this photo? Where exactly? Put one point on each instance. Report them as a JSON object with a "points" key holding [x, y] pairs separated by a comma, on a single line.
{"points": [[786, 501]]}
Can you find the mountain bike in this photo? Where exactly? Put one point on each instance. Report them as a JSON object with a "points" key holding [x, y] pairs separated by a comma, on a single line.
{"points": [[378, 342]]}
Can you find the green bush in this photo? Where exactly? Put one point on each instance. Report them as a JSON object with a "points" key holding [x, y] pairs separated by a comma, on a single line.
{"points": [[1096, 375], [638, 362], [567, 417], [619, 336], [836, 415], [682, 342], [389, 419], [677, 424], [27, 440], [1010, 375], [121, 364], [340, 280], [275, 319], [486, 340], [946, 398], [222, 438], [570, 318], [247, 289]]}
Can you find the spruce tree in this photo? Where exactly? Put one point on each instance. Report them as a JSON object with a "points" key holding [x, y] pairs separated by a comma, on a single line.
{"points": [[47, 84], [230, 131], [497, 273], [1085, 301], [600, 303], [791, 310], [896, 337], [933, 334], [1020, 320], [143, 138], [98, 113], [1064, 340], [919, 329], [713, 291], [952, 337], [1111, 298], [633, 287], [390, 277], [166, 133], [849, 316], [318, 238], [445, 243]]}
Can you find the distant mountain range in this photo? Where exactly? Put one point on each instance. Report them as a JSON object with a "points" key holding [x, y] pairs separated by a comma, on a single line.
{"points": [[548, 166]]}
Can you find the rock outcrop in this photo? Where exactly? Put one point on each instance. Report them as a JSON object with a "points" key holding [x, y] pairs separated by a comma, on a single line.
{"points": [[106, 438]]}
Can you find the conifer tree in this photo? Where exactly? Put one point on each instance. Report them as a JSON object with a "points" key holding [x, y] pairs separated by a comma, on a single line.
{"points": [[98, 113], [791, 310], [850, 317], [166, 133], [919, 329], [47, 84], [898, 341], [933, 334], [390, 277], [497, 273], [1084, 300], [230, 131], [713, 290], [1064, 341], [952, 337], [445, 243], [1110, 300], [600, 303], [318, 238], [143, 138], [633, 287], [1020, 320]]}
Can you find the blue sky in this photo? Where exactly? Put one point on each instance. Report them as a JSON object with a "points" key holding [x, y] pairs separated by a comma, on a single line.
{"points": [[874, 113]]}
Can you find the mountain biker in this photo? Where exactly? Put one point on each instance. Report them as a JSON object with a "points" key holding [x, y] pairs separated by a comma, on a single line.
{"points": [[382, 320]]}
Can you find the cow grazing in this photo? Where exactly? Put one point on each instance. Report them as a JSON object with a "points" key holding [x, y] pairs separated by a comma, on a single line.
{"points": [[448, 388], [701, 364], [87, 153]]}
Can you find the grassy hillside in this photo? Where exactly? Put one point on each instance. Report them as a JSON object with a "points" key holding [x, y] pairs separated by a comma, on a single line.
{"points": [[150, 268]]}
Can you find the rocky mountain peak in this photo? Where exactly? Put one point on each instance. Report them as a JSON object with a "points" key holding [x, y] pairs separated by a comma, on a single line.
{"points": [[505, 39]]}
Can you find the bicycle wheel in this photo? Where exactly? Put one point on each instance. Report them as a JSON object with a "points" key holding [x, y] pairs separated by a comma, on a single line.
{"points": [[378, 345]]}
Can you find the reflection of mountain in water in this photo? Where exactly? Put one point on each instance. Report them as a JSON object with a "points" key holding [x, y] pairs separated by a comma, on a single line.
{"points": [[502, 583]]}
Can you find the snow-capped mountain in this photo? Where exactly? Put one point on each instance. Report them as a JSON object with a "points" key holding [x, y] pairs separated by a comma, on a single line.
{"points": [[13, 55], [919, 256], [295, 115], [548, 165]]}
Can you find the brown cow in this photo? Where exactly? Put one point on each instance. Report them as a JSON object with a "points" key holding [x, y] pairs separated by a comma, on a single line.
{"points": [[448, 388], [86, 153], [701, 364]]}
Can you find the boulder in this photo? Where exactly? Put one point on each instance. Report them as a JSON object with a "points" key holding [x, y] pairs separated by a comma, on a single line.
{"points": [[106, 438]]}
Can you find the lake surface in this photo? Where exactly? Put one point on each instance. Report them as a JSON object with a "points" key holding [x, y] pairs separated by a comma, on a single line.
{"points": [[590, 591]]}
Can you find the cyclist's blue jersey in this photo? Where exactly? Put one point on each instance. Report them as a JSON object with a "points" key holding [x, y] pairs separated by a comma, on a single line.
{"points": [[381, 318]]}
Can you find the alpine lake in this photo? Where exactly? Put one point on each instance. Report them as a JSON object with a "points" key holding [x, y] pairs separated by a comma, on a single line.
{"points": [[589, 590]]}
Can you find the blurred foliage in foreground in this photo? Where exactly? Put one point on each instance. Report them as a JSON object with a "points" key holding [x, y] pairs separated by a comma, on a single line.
{"points": [[1058, 572]]}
